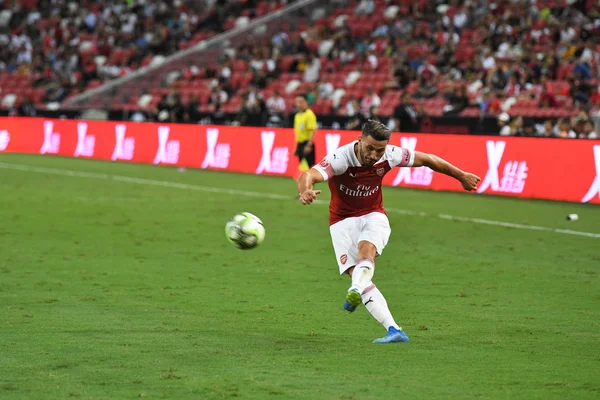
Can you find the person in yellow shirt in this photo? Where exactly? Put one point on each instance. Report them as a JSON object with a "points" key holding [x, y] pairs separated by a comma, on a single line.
{"points": [[305, 125]]}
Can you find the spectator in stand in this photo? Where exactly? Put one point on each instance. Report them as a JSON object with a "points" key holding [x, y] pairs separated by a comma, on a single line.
{"points": [[579, 91], [497, 78], [457, 101], [528, 129], [163, 110], [325, 89], [170, 108], [347, 54], [276, 121], [248, 112], [365, 7], [371, 99], [547, 130], [299, 47], [403, 74], [254, 96], [224, 74], [313, 69], [405, 116], [427, 88], [595, 98], [352, 107], [503, 124], [218, 117], [281, 41], [371, 61], [588, 131], [178, 110], [512, 88], [26, 108], [55, 92], [547, 99], [487, 103], [256, 63], [563, 129], [359, 119], [192, 112], [260, 79], [218, 96], [516, 127], [427, 71], [583, 70], [488, 62], [577, 123], [311, 95], [276, 103]]}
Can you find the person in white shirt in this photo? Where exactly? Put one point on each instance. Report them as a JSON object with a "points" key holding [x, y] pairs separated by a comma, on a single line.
{"points": [[276, 103], [460, 19], [218, 96], [487, 59], [371, 99], [563, 129], [352, 107], [325, 89], [372, 60], [503, 120], [313, 68], [588, 131], [225, 73], [365, 7]]}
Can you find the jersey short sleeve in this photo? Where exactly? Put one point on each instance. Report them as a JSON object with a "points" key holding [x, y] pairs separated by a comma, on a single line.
{"points": [[311, 120], [333, 164], [400, 156]]}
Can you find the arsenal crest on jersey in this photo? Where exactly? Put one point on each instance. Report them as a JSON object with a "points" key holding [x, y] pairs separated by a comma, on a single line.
{"points": [[380, 171]]}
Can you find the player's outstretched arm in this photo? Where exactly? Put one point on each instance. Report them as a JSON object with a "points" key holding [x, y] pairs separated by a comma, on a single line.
{"points": [[305, 184], [469, 181]]}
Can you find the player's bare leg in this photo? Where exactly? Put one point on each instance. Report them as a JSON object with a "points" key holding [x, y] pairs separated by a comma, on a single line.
{"points": [[364, 290]]}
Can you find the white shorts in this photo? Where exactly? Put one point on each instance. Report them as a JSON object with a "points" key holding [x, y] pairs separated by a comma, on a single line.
{"points": [[346, 234]]}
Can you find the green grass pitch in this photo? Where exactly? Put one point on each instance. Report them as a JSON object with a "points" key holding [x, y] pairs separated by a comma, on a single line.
{"points": [[121, 288]]}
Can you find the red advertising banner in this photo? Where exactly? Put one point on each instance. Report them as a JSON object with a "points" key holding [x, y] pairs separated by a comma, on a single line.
{"points": [[557, 169]]}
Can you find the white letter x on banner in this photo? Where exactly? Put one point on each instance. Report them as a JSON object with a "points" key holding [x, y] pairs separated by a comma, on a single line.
{"points": [[81, 132], [163, 137], [47, 145], [495, 150], [267, 139], [212, 137], [120, 130]]}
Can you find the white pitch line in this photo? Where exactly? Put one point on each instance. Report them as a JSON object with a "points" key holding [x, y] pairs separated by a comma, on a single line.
{"points": [[274, 196]]}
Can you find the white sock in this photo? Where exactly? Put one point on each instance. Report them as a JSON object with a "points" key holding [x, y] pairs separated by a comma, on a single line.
{"points": [[363, 273], [375, 303]]}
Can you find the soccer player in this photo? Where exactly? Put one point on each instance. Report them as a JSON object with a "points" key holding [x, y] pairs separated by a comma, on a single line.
{"points": [[359, 226]]}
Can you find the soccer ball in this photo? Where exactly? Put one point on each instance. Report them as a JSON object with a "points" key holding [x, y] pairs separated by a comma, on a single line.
{"points": [[245, 231]]}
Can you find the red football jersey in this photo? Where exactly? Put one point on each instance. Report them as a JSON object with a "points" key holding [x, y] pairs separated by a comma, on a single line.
{"points": [[356, 189]]}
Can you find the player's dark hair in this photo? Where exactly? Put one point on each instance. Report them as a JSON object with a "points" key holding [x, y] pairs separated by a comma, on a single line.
{"points": [[303, 96], [376, 130]]}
